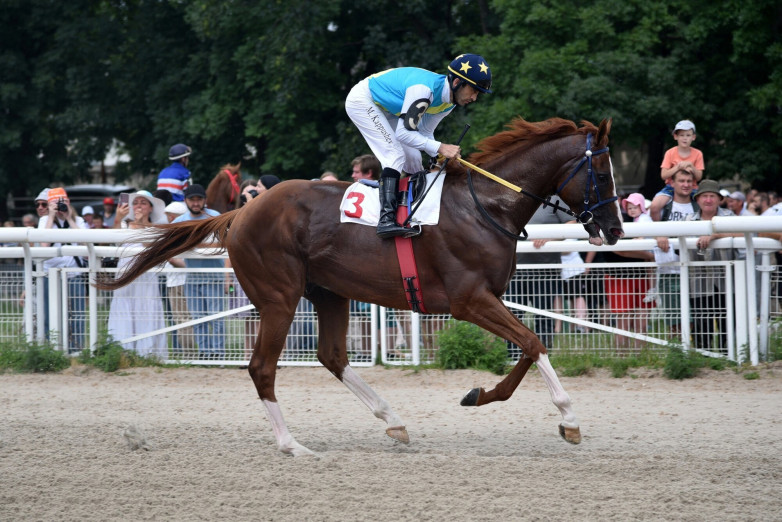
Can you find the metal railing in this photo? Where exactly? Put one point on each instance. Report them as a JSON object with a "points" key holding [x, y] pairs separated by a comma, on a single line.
{"points": [[589, 322]]}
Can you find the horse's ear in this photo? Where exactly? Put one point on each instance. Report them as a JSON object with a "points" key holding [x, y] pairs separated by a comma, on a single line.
{"points": [[603, 131]]}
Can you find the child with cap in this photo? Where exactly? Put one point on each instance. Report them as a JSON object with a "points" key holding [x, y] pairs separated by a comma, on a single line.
{"points": [[634, 206], [681, 157]]}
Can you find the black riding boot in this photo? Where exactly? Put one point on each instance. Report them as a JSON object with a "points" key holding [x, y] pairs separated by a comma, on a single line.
{"points": [[387, 225]]}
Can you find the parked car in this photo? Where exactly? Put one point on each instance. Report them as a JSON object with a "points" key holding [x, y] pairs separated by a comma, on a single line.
{"points": [[80, 196], [94, 194]]}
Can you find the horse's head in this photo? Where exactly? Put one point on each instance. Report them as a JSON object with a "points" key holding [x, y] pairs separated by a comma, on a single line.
{"points": [[223, 191], [588, 188]]}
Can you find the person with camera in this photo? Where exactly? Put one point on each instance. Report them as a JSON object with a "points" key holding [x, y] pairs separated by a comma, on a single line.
{"points": [[62, 215], [247, 191]]}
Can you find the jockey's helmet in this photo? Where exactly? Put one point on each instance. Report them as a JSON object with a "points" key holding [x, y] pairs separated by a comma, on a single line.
{"points": [[178, 151], [473, 69]]}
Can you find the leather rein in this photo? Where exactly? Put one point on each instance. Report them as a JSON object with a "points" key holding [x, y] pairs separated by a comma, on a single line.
{"points": [[586, 217]]}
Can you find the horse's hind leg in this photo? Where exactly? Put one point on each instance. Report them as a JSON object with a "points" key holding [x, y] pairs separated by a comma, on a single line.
{"points": [[333, 318], [275, 321], [490, 314]]}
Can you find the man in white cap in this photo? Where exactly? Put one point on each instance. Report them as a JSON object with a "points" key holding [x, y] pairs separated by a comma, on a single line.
{"points": [[176, 178], [87, 213], [735, 203]]}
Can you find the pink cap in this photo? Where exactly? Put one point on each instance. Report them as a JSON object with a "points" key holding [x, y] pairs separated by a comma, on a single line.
{"points": [[636, 199]]}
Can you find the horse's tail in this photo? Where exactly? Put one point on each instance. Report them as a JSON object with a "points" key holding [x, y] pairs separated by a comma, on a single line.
{"points": [[166, 241]]}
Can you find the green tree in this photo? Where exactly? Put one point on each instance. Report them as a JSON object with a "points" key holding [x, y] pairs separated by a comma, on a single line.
{"points": [[647, 65]]}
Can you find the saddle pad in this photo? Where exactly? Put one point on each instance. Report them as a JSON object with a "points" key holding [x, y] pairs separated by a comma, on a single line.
{"points": [[361, 204]]}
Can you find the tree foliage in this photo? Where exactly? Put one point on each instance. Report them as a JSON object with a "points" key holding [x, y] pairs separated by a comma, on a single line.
{"points": [[264, 82]]}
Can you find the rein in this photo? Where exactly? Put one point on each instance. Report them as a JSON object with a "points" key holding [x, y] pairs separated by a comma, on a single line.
{"points": [[234, 185], [584, 218]]}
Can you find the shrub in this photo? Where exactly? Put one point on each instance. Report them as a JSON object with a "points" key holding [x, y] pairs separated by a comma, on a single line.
{"points": [[110, 356], [465, 345], [619, 367], [23, 356], [682, 365]]}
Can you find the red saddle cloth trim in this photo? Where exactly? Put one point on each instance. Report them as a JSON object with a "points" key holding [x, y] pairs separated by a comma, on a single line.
{"points": [[404, 252]]}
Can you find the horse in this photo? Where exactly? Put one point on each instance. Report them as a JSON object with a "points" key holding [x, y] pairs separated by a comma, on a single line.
{"points": [[290, 243], [222, 194]]}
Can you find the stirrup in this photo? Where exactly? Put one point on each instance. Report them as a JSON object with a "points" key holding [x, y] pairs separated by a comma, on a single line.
{"points": [[392, 230], [414, 230]]}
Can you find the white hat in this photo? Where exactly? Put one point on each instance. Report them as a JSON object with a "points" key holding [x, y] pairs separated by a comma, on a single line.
{"points": [[158, 213], [724, 193], [44, 195], [684, 125], [87, 210], [176, 207]]}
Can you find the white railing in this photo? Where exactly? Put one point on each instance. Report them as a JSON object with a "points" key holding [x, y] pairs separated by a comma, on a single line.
{"points": [[744, 330]]}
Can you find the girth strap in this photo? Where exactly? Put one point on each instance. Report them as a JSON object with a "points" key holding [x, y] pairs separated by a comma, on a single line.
{"points": [[406, 257]]}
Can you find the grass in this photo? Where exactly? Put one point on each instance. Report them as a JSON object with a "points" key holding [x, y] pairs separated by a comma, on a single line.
{"points": [[22, 356], [571, 363]]}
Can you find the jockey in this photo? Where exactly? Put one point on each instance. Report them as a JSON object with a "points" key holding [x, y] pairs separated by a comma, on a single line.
{"points": [[175, 178], [397, 111]]}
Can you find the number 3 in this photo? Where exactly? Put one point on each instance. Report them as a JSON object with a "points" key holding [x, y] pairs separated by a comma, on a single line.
{"points": [[357, 198]]}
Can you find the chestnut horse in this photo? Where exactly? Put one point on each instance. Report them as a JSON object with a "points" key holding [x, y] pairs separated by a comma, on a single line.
{"points": [[222, 194], [290, 243]]}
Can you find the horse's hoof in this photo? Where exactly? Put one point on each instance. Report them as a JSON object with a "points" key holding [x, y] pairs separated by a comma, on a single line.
{"points": [[471, 399], [398, 433], [572, 435], [297, 450]]}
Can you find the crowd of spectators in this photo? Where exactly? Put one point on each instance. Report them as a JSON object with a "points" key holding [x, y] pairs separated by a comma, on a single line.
{"points": [[629, 293]]}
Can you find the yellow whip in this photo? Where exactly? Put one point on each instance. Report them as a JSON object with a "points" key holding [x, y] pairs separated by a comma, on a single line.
{"points": [[490, 175]]}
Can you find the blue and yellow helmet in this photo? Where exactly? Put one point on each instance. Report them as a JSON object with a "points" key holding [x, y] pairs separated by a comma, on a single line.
{"points": [[473, 69]]}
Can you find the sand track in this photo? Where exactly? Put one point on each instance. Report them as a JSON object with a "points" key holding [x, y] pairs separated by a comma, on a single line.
{"points": [[708, 448]]}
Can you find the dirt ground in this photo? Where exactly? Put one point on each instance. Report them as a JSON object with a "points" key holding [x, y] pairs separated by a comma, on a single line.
{"points": [[708, 448]]}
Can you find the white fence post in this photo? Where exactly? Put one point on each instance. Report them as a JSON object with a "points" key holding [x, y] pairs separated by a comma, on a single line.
{"points": [[415, 333], [742, 315], [765, 298], [752, 301], [684, 294]]}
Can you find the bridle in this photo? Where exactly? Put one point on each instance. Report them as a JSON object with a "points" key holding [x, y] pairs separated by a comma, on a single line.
{"points": [[585, 218], [235, 190]]}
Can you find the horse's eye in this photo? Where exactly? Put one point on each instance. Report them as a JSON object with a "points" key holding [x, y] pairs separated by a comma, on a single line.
{"points": [[602, 178]]}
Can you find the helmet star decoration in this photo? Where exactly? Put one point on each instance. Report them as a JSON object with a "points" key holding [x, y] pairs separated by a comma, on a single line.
{"points": [[484, 68], [466, 66]]}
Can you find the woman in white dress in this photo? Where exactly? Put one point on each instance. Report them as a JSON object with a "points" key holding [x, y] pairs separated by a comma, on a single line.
{"points": [[137, 308]]}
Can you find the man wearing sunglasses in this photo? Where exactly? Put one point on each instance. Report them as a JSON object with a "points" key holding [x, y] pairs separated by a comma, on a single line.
{"points": [[42, 203]]}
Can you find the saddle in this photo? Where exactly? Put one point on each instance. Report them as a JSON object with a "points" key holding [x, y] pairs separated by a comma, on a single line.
{"points": [[416, 187]]}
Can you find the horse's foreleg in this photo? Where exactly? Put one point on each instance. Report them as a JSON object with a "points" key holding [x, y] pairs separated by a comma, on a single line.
{"points": [[490, 314], [501, 392], [333, 318]]}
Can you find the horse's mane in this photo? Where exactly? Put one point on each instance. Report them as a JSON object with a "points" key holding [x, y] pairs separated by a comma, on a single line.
{"points": [[523, 134]]}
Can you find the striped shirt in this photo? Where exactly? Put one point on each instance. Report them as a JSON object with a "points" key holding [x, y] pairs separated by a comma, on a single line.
{"points": [[175, 179]]}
